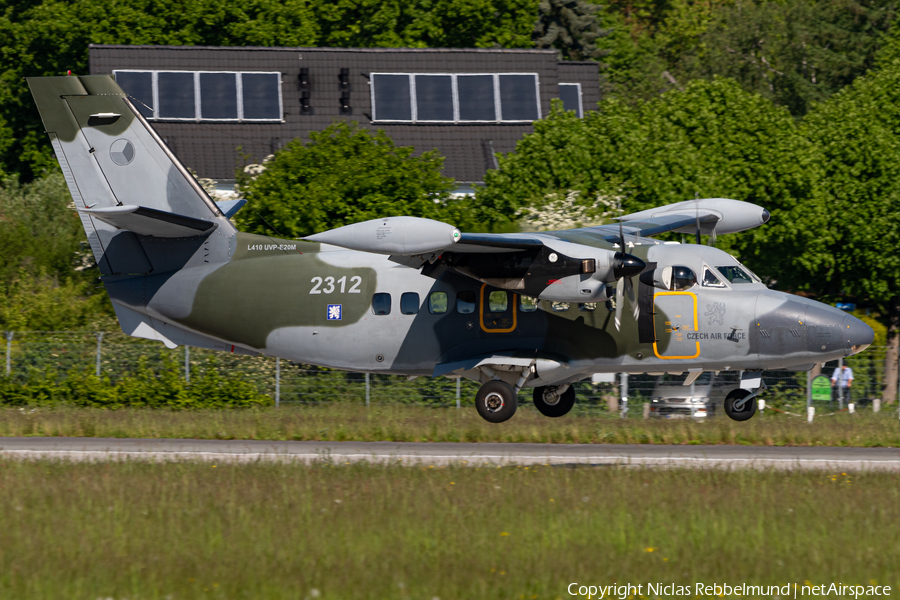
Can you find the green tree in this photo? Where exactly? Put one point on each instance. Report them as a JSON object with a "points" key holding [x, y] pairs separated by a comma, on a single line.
{"points": [[713, 140], [343, 175], [794, 52], [570, 26], [858, 134]]}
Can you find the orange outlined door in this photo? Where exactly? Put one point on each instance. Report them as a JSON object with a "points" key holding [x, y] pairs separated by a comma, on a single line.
{"points": [[675, 325], [497, 310]]}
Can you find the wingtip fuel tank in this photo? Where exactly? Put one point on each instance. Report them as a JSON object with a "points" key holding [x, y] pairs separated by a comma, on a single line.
{"points": [[392, 235]]}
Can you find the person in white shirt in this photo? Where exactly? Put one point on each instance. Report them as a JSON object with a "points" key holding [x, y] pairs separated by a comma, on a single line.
{"points": [[843, 378]]}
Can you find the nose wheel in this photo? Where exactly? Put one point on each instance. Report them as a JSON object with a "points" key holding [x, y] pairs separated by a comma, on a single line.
{"points": [[496, 401], [740, 404], [551, 402]]}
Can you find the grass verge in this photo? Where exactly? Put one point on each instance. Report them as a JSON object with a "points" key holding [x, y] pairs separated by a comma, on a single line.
{"points": [[338, 422], [175, 531]]}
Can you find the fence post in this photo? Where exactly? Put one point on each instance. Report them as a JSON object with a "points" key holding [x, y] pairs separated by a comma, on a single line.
{"points": [[809, 388], [458, 380], [367, 390], [9, 338], [277, 382], [839, 382], [187, 363], [99, 348], [623, 388]]}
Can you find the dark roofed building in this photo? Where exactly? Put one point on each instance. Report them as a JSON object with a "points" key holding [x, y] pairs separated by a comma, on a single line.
{"points": [[206, 102]]}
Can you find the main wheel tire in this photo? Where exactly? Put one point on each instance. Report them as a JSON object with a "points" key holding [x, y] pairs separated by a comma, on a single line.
{"points": [[496, 401], [563, 405], [747, 410]]}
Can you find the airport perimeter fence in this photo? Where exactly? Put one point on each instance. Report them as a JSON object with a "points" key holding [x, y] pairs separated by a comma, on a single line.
{"points": [[114, 356]]}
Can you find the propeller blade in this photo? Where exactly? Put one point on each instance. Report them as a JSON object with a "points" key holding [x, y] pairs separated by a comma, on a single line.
{"points": [[711, 241], [620, 300]]}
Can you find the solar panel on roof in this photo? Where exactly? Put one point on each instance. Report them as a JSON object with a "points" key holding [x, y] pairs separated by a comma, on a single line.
{"points": [[518, 98], [434, 98], [392, 98], [261, 97], [138, 85], [218, 96], [476, 97], [176, 95]]}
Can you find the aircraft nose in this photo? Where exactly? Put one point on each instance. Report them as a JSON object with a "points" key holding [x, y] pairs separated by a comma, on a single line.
{"points": [[857, 335]]}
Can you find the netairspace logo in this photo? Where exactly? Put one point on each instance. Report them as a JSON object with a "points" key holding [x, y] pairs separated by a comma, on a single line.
{"points": [[664, 590]]}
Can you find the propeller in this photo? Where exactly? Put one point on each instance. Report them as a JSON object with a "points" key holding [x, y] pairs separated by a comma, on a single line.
{"points": [[625, 266]]}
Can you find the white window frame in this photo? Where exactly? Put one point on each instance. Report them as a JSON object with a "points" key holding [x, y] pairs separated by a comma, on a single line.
{"points": [[498, 109], [580, 103], [198, 112]]}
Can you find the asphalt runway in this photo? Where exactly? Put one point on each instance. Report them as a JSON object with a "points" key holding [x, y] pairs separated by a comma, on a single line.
{"points": [[414, 453]]}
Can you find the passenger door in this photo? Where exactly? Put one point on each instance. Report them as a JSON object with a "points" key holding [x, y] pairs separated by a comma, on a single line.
{"points": [[675, 325]]}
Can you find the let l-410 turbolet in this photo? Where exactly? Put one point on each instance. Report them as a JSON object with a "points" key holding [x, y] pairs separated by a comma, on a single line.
{"points": [[418, 297]]}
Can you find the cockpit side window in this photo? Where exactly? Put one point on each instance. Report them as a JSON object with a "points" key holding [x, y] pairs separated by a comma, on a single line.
{"points": [[710, 279], [682, 278], [734, 274]]}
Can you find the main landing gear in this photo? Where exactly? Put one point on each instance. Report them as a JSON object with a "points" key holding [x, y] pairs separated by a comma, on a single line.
{"points": [[554, 401], [496, 401]]}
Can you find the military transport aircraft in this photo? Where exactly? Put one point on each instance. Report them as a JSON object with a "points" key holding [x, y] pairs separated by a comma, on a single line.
{"points": [[418, 297]]}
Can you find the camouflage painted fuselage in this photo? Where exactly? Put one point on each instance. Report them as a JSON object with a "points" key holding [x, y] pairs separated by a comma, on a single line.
{"points": [[273, 297]]}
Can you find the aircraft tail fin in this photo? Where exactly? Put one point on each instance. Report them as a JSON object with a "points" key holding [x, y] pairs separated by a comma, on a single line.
{"points": [[123, 178]]}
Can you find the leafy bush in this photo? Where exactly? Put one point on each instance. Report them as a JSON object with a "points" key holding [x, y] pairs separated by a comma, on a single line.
{"points": [[146, 388]]}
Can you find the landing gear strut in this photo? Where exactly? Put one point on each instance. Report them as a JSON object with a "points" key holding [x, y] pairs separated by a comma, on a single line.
{"points": [[496, 401], [554, 401], [740, 404]]}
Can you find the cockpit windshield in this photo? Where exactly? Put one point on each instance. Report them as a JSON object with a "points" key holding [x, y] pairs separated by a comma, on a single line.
{"points": [[734, 274]]}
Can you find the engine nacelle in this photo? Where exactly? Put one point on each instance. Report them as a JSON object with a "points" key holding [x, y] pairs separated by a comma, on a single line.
{"points": [[392, 235]]}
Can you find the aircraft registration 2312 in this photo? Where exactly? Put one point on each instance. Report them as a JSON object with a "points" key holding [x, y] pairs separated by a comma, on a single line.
{"points": [[271, 247]]}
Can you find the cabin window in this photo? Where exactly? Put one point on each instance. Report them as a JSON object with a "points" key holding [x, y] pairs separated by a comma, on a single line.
{"points": [[381, 303], [409, 303], [465, 303], [437, 303], [498, 301], [528, 304], [710, 279], [587, 306], [559, 306], [682, 278]]}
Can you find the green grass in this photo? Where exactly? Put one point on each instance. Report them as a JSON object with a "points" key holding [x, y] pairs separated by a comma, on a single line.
{"points": [[140, 530], [345, 421]]}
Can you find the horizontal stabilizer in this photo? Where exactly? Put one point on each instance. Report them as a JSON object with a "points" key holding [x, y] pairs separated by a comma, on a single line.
{"points": [[150, 222]]}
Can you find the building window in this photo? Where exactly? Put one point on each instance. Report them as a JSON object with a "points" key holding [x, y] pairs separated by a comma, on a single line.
{"points": [[570, 94], [455, 98], [409, 303], [204, 95]]}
